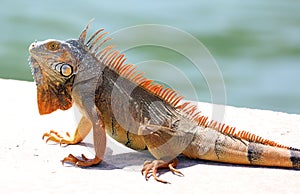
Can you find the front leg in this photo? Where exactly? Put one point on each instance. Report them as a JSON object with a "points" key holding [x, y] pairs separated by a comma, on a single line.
{"points": [[83, 128], [99, 137]]}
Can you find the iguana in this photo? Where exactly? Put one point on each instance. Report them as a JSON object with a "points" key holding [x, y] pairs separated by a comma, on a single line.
{"points": [[114, 98]]}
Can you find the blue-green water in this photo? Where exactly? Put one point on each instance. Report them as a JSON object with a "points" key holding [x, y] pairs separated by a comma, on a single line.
{"points": [[256, 44]]}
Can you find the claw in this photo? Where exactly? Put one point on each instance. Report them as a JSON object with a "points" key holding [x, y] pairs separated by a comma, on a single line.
{"points": [[174, 170], [155, 165], [70, 159], [56, 137], [45, 135], [83, 157], [84, 162], [53, 138]]}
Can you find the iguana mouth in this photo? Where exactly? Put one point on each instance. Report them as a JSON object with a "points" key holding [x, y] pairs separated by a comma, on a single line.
{"points": [[35, 70]]}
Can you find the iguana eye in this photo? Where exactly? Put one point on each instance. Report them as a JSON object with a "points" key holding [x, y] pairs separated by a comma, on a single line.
{"points": [[53, 46], [66, 70]]}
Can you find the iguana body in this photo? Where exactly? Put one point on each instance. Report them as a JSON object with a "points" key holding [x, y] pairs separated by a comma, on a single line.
{"points": [[114, 99]]}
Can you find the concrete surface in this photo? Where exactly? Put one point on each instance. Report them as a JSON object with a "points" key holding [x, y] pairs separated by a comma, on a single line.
{"points": [[30, 165]]}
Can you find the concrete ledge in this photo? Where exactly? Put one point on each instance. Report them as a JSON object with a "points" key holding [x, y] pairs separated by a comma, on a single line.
{"points": [[30, 165]]}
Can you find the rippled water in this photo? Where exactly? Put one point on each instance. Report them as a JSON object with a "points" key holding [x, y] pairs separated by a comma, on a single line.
{"points": [[256, 44]]}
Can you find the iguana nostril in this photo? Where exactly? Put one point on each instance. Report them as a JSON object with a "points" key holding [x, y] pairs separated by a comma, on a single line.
{"points": [[32, 46]]}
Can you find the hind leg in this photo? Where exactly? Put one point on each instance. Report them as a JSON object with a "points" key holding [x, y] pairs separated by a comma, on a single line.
{"points": [[150, 168], [164, 144]]}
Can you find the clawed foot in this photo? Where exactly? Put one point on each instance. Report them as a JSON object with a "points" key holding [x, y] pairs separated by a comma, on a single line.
{"points": [[84, 162], [150, 168], [56, 137]]}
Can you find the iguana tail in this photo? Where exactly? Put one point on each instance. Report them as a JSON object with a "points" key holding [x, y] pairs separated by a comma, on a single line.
{"points": [[249, 149]]}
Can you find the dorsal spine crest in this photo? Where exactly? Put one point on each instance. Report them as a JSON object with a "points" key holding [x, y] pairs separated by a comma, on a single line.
{"points": [[116, 61]]}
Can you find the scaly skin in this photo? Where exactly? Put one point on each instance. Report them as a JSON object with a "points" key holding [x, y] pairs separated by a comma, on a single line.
{"points": [[114, 99]]}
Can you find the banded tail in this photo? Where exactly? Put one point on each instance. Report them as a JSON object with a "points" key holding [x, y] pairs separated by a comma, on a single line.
{"points": [[214, 145]]}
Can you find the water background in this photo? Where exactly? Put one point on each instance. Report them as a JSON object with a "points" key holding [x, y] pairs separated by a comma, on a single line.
{"points": [[256, 44]]}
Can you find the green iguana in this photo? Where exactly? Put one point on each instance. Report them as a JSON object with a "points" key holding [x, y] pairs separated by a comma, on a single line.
{"points": [[114, 98]]}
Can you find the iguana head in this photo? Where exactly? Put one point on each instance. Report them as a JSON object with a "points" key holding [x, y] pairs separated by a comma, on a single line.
{"points": [[54, 64], [53, 69]]}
